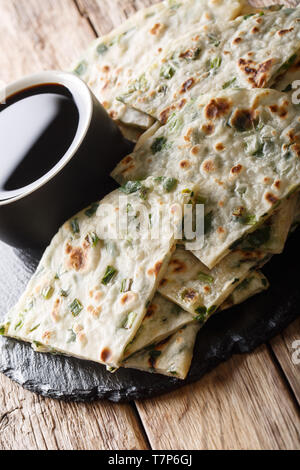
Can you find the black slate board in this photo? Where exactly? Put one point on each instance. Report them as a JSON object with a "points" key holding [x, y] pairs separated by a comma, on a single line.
{"points": [[239, 330]]}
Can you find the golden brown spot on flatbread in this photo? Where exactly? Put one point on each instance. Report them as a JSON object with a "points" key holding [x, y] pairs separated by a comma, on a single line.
{"points": [[296, 149], [220, 147], [55, 311], [243, 119], [185, 164], [217, 108], [277, 184], [189, 54], [188, 135], [187, 85], [257, 73], [105, 354], [195, 150], [106, 68], [163, 282], [271, 198], [164, 115], [82, 338], [219, 182], [267, 180], [221, 203], [77, 259], [181, 103], [157, 29], [255, 30], [151, 310], [259, 20], [220, 230], [208, 129], [105, 104], [209, 166], [155, 271], [236, 169], [46, 336], [98, 296], [281, 111], [94, 311], [113, 115], [159, 49], [293, 136], [178, 266], [282, 32], [237, 40], [127, 160], [125, 298], [128, 169], [207, 289], [68, 249]]}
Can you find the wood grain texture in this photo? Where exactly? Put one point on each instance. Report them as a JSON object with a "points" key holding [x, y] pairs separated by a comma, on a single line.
{"points": [[244, 404], [285, 347], [39, 35], [107, 14], [30, 422]]}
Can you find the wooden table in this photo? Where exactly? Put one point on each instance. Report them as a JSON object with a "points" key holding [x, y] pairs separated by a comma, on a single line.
{"points": [[251, 402]]}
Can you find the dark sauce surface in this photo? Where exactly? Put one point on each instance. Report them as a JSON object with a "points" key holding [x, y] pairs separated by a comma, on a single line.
{"points": [[37, 127]]}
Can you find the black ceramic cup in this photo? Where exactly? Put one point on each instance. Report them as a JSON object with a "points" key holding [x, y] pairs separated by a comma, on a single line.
{"points": [[30, 216]]}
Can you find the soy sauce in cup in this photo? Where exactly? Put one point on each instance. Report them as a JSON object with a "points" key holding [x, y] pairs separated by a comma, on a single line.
{"points": [[58, 148], [37, 127]]}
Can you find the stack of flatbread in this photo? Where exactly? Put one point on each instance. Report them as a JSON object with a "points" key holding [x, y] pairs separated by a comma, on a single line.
{"points": [[205, 87]]}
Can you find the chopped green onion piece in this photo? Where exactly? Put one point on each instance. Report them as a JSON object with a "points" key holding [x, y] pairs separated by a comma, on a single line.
{"points": [[129, 321], [205, 278], [212, 310], [35, 328], [93, 239], [201, 314], [48, 292], [158, 144], [248, 16], [229, 83], [216, 63], [73, 337], [102, 49], [75, 226], [2, 330], [170, 184], [111, 272], [131, 187], [19, 325], [81, 68], [126, 285], [76, 307], [64, 293], [167, 72], [92, 210]]}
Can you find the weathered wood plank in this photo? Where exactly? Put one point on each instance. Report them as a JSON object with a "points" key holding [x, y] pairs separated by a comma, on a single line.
{"points": [[30, 422], [37, 35], [107, 14], [286, 347], [244, 404]]}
